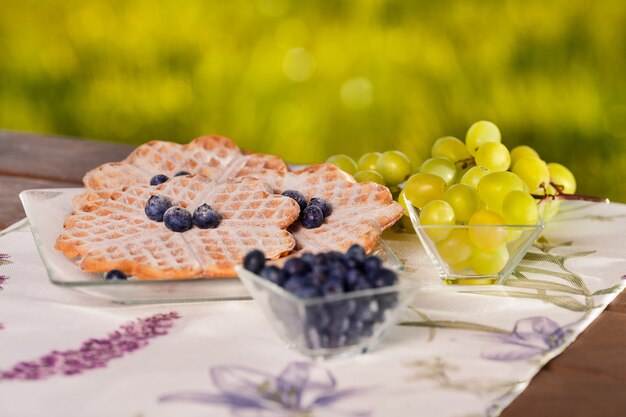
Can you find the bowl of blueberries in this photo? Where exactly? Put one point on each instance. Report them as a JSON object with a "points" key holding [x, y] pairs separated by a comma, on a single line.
{"points": [[332, 304]]}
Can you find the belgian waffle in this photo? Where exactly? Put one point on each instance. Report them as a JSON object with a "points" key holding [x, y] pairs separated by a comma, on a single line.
{"points": [[215, 157], [114, 232]]}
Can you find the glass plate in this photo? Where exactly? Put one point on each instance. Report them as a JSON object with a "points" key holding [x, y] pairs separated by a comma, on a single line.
{"points": [[46, 211]]}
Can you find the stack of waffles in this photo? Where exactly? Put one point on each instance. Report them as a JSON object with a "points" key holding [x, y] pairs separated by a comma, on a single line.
{"points": [[108, 228]]}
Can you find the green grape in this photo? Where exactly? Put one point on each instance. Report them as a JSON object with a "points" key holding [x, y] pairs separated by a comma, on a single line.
{"points": [[344, 163], [423, 188], [533, 171], [473, 176], [488, 232], [562, 177], [440, 166], [493, 156], [456, 249], [464, 201], [493, 187], [522, 151], [519, 207], [402, 202], [394, 166], [368, 161], [480, 133], [488, 262], [451, 148], [369, 175], [437, 213]]}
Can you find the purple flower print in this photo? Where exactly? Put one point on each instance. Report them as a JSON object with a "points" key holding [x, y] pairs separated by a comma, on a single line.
{"points": [[299, 389], [94, 353], [4, 259], [530, 337]]}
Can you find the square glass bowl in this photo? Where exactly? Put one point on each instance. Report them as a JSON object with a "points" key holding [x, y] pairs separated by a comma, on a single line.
{"points": [[335, 326], [458, 262]]}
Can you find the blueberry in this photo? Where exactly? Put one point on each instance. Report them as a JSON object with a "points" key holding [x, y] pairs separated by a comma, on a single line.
{"points": [[301, 287], [312, 217], [336, 340], [332, 287], [354, 332], [372, 263], [295, 266], [318, 316], [296, 195], [352, 277], [322, 204], [254, 261], [156, 207], [205, 217], [356, 252], [115, 274], [336, 271], [317, 275], [309, 259], [383, 278], [361, 284], [321, 259], [368, 329], [324, 340], [273, 274], [181, 173], [366, 310], [338, 325], [342, 308], [177, 219], [387, 301], [334, 256], [158, 179], [352, 263]]}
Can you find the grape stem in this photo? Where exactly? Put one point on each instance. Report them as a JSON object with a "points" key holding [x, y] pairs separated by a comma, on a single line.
{"points": [[560, 195], [466, 163]]}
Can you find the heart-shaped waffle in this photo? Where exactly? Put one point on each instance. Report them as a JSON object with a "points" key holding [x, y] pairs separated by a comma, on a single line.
{"points": [[115, 233], [215, 157], [360, 211]]}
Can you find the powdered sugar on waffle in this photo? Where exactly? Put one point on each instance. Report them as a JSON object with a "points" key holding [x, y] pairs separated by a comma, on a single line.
{"points": [[115, 233]]}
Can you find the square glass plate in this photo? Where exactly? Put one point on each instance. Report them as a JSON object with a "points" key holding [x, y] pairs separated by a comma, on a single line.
{"points": [[47, 209]]}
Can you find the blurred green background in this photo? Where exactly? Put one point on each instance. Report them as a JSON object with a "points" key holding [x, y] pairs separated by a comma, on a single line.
{"points": [[306, 79]]}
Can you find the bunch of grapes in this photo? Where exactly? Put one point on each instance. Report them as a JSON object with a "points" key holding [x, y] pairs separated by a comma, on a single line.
{"points": [[481, 183], [390, 168], [475, 198]]}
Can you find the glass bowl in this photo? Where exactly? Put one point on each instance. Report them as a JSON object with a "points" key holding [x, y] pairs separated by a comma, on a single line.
{"points": [[456, 262], [335, 326]]}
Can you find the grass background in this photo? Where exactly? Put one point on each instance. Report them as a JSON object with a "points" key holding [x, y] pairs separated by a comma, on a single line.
{"points": [[306, 79]]}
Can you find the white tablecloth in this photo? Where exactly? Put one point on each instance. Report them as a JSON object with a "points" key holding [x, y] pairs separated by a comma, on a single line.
{"points": [[465, 351]]}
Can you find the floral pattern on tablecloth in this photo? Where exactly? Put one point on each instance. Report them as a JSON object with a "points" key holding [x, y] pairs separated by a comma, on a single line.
{"points": [[4, 260], [93, 353], [301, 389]]}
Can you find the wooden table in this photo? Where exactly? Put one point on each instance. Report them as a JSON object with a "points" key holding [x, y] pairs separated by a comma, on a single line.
{"points": [[588, 379]]}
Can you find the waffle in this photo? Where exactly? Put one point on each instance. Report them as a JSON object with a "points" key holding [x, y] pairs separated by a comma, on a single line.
{"points": [[115, 233], [360, 211], [214, 157]]}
